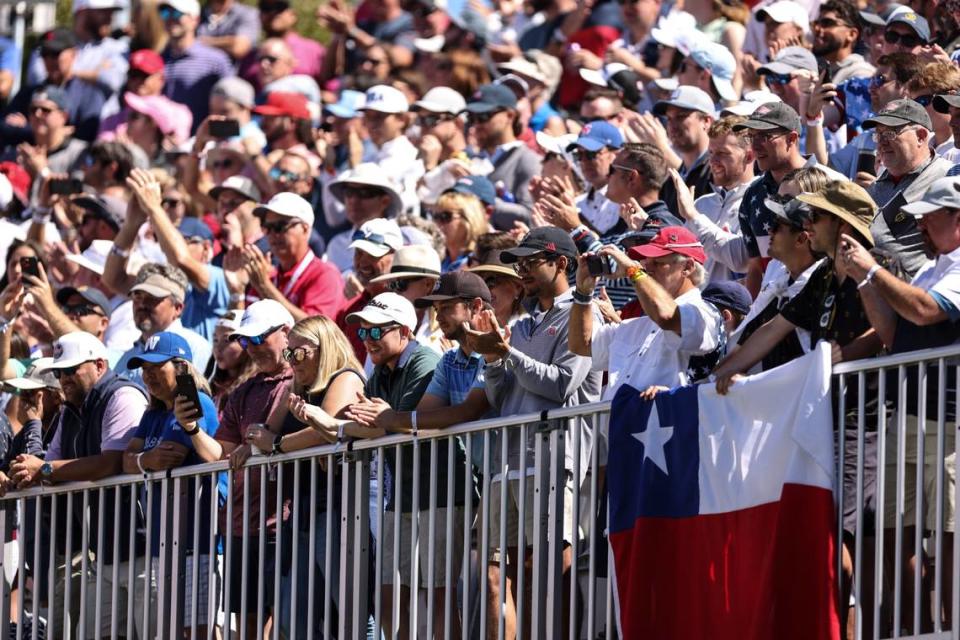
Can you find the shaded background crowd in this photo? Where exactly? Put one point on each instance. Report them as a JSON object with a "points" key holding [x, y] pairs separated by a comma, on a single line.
{"points": [[225, 239]]}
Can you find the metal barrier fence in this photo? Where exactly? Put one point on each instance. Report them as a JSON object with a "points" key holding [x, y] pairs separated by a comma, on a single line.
{"points": [[308, 544]]}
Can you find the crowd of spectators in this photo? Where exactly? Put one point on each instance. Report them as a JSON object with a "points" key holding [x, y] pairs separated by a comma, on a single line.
{"points": [[445, 213]]}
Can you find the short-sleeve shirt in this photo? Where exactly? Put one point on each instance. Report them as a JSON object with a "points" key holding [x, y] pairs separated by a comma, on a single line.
{"points": [[202, 308], [639, 353], [317, 289], [827, 308], [123, 413], [191, 74], [160, 425], [755, 218], [455, 376], [239, 20], [941, 279]]}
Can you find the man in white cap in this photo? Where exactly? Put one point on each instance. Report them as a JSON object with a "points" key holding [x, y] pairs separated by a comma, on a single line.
{"points": [[263, 334], [374, 246], [386, 119], [89, 445], [303, 283], [442, 143], [402, 371], [191, 67], [414, 274], [367, 193], [689, 112]]}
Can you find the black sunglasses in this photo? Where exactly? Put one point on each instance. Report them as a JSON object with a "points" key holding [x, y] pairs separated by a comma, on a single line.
{"points": [[908, 40], [433, 119], [445, 217], [480, 118], [68, 371], [80, 310], [279, 226], [364, 193], [924, 101]]}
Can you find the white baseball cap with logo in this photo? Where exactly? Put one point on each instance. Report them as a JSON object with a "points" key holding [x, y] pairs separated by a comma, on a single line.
{"points": [[386, 99], [75, 348], [377, 237], [785, 11], [387, 308], [287, 204], [37, 376], [262, 316]]}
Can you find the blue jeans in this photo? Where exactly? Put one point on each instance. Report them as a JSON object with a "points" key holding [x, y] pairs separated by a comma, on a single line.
{"points": [[300, 573]]}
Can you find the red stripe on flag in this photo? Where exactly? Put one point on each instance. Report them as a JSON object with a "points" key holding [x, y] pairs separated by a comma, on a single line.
{"points": [[762, 573]]}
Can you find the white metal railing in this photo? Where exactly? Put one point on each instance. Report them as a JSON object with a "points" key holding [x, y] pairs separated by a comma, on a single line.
{"points": [[328, 572]]}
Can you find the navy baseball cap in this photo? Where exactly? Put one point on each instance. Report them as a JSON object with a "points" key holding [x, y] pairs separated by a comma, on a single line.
{"points": [[54, 94], [162, 347], [492, 97], [596, 135], [478, 186], [916, 22], [728, 294], [195, 229], [542, 240]]}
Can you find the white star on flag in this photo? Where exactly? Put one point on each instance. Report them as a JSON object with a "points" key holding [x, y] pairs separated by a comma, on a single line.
{"points": [[654, 438]]}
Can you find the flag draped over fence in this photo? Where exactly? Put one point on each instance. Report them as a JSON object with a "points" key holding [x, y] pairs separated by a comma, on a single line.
{"points": [[721, 509]]}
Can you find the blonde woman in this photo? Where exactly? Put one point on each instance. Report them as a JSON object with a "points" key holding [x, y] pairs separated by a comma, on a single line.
{"points": [[326, 374], [462, 219]]}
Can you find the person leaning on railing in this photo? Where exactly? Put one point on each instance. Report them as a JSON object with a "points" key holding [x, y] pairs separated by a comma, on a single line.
{"points": [[911, 316], [161, 443], [326, 374]]}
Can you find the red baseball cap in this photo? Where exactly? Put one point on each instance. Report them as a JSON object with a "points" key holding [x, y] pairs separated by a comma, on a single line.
{"points": [[668, 240], [146, 61], [281, 103], [19, 180]]}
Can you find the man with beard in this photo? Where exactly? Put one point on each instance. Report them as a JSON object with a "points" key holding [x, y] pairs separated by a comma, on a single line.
{"points": [[689, 113], [836, 32], [374, 245], [102, 414], [158, 295]]}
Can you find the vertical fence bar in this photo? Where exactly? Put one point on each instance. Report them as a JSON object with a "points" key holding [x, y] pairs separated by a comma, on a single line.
{"points": [[228, 561], [858, 540], [85, 561], [413, 615], [918, 554], [431, 537], [262, 550], [55, 501], [5, 589], [502, 537], [939, 496], [176, 556], [600, 423], [449, 584], [378, 553], [245, 555], [294, 548], [879, 598], [312, 556], [485, 536], [468, 550], [277, 546], [521, 605]]}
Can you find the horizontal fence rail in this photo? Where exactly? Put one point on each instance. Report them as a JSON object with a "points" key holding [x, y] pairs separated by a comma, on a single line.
{"points": [[489, 529]]}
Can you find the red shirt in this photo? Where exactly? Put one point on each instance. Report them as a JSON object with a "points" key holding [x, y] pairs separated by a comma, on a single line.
{"points": [[356, 304], [313, 285]]}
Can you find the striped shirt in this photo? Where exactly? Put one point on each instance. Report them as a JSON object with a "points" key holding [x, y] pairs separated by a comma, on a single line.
{"points": [[191, 74]]}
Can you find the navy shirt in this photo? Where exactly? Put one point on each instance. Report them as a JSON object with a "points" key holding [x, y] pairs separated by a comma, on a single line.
{"points": [[191, 74]]}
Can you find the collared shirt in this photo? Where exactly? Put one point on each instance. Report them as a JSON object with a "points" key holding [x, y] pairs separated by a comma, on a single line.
{"points": [[252, 402], [399, 160], [456, 376], [190, 76], [947, 150], [718, 229], [200, 348], [503, 149], [895, 234], [640, 353], [940, 278], [598, 210], [755, 218], [312, 285], [123, 413], [828, 308]]}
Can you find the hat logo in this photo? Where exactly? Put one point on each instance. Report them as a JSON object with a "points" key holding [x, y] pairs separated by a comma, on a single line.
{"points": [[152, 343], [912, 17], [586, 130], [377, 304], [436, 286], [57, 349], [672, 237], [551, 246]]}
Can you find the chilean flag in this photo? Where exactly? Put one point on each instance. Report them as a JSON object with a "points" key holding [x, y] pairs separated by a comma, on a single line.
{"points": [[722, 518]]}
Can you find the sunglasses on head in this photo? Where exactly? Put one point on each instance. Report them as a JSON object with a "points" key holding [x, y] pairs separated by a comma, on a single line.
{"points": [[364, 193], [375, 333], [256, 341], [297, 355], [169, 13], [480, 118], [280, 226], [908, 40]]}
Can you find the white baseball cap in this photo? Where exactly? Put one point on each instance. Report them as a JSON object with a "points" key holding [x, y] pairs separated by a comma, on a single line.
{"points": [[387, 308], [687, 97], [80, 5], [600, 77], [943, 193], [377, 237], [785, 11], [262, 316], [189, 7], [442, 100], [386, 99], [413, 261], [37, 376], [75, 348], [287, 204]]}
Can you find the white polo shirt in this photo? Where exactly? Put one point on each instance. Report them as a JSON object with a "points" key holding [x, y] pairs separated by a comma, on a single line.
{"points": [[639, 353], [941, 279]]}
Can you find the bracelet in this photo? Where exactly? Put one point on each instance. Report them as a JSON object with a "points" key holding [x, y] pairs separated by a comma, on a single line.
{"points": [[413, 422], [117, 251], [815, 122], [193, 431], [236, 298], [584, 299], [635, 273], [340, 432], [869, 276], [140, 463]]}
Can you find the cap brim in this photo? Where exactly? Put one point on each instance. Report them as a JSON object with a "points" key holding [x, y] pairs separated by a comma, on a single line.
{"points": [[872, 18], [888, 121], [66, 364], [594, 77], [823, 204], [649, 251], [372, 316], [152, 358], [156, 292], [372, 248], [481, 107], [510, 256], [397, 275], [25, 384], [725, 88], [586, 143], [942, 103], [427, 301], [495, 268], [757, 125], [253, 329], [267, 110], [920, 208], [434, 107], [776, 67], [340, 111], [216, 191], [85, 262]]}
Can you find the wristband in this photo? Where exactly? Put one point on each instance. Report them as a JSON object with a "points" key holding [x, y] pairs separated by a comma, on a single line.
{"points": [[815, 122], [635, 273], [869, 277], [236, 298], [582, 298], [191, 432], [340, 432], [40, 215], [117, 251], [413, 422], [140, 463]]}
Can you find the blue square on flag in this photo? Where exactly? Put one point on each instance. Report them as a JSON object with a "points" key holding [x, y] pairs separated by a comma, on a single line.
{"points": [[659, 473]]}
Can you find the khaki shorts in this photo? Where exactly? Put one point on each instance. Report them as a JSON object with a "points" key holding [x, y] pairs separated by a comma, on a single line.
{"points": [[513, 513], [440, 547], [930, 464]]}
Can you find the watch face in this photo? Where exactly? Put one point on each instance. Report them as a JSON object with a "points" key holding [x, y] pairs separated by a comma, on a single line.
{"points": [[46, 469]]}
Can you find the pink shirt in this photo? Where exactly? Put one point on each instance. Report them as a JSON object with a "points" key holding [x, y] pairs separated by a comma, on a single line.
{"points": [[308, 54], [120, 419]]}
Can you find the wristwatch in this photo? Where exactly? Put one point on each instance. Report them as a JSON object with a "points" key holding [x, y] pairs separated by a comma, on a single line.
{"points": [[277, 439], [46, 472]]}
